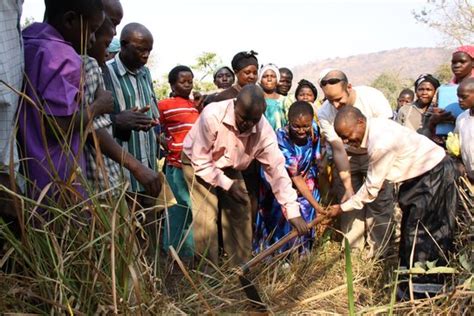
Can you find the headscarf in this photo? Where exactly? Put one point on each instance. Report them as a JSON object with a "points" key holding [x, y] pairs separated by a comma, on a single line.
{"points": [[429, 78], [270, 66], [114, 46], [244, 59], [220, 68], [469, 50], [305, 83]]}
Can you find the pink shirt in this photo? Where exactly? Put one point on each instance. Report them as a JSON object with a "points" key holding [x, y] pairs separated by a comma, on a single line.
{"points": [[215, 143]]}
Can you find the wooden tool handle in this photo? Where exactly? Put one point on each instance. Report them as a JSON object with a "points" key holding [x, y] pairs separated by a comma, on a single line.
{"points": [[270, 250]]}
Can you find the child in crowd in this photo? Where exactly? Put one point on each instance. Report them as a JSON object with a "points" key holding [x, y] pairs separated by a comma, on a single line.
{"points": [[405, 97], [177, 116], [465, 126], [53, 81]]}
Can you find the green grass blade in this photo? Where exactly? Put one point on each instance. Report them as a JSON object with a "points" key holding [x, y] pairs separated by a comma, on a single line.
{"points": [[350, 278]]}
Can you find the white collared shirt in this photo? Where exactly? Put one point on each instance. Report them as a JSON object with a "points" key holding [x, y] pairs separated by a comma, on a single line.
{"points": [[465, 129], [370, 101], [396, 153]]}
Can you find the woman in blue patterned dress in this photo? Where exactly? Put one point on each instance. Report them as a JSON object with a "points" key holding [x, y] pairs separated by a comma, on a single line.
{"points": [[300, 143]]}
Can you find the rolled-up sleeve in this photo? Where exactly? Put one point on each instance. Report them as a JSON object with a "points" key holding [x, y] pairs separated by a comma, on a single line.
{"points": [[199, 149], [273, 164], [379, 166]]}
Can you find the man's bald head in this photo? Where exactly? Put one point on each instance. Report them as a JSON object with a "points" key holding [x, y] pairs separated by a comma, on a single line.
{"points": [[334, 76], [466, 94], [136, 43], [113, 9], [135, 30], [249, 107], [337, 90], [350, 125]]}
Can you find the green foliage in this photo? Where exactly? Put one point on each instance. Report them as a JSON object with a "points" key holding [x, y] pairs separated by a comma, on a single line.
{"points": [[390, 84], [350, 277], [28, 21], [443, 73], [206, 64], [162, 89]]}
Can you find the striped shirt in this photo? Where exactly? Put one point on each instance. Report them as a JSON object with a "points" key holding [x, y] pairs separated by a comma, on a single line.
{"points": [[134, 89], [108, 176], [177, 116]]}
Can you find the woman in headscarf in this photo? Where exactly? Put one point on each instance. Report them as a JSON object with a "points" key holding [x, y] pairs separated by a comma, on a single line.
{"points": [[306, 91], [462, 63], [268, 78], [245, 66], [224, 77], [411, 115]]}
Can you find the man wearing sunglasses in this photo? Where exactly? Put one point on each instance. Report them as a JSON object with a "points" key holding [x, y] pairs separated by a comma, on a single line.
{"points": [[373, 222]]}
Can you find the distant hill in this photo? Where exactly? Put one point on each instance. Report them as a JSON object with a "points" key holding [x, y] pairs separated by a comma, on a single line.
{"points": [[363, 69]]}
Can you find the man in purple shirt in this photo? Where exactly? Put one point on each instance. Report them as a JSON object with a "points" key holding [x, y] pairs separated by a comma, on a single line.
{"points": [[53, 129]]}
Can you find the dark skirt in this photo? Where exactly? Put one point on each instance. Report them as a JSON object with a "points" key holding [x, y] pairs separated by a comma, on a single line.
{"points": [[429, 202]]}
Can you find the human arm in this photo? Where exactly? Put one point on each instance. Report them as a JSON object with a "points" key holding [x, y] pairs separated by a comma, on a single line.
{"points": [[380, 162], [326, 119], [341, 160], [103, 103], [303, 189], [144, 175]]}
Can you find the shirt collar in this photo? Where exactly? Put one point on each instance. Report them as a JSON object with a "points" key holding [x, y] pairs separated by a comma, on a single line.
{"points": [[44, 31], [363, 144], [229, 119], [124, 70]]}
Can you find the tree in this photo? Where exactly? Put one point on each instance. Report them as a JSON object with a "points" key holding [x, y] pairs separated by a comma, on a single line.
{"points": [[453, 18], [443, 73], [206, 64], [390, 84]]}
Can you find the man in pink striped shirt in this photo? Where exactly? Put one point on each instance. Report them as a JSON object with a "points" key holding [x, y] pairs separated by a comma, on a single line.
{"points": [[224, 140]]}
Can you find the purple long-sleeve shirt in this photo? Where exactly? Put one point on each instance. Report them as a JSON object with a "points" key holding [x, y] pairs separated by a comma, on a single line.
{"points": [[53, 70]]}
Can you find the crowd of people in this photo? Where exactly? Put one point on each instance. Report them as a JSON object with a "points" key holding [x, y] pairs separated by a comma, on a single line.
{"points": [[246, 163]]}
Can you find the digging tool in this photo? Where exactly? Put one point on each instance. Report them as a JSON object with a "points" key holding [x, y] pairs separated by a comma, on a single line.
{"points": [[249, 288]]}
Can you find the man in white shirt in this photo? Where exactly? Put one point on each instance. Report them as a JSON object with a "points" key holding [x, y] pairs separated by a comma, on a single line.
{"points": [[374, 220], [465, 125], [427, 194]]}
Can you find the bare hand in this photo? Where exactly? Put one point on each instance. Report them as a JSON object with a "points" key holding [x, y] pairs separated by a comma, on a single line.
{"points": [[440, 116], [334, 211], [149, 179], [103, 102], [134, 119], [300, 225], [347, 195], [238, 193], [198, 100]]}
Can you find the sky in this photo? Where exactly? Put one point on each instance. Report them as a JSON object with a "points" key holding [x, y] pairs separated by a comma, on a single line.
{"points": [[284, 32]]}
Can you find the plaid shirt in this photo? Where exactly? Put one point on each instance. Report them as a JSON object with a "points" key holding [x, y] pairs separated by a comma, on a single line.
{"points": [[11, 72], [135, 89], [110, 175]]}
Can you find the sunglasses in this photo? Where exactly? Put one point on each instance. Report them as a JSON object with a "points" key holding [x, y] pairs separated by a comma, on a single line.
{"points": [[331, 81]]}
